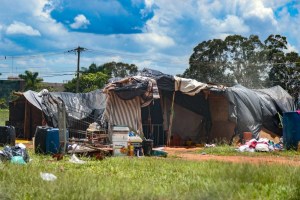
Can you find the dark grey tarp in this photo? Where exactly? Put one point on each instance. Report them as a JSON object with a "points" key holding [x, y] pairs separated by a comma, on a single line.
{"points": [[164, 81], [252, 110], [81, 108], [136, 88]]}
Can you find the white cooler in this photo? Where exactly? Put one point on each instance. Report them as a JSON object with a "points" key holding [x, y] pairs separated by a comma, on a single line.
{"points": [[119, 140]]}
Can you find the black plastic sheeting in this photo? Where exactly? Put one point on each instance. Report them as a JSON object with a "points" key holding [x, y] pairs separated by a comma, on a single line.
{"points": [[164, 81], [138, 87], [81, 108], [252, 110], [127, 92]]}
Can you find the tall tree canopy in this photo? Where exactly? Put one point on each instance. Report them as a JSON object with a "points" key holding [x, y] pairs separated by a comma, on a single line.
{"points": [[236, 59], [32, 81], [246, 61], [95, 77], [113, 69]]}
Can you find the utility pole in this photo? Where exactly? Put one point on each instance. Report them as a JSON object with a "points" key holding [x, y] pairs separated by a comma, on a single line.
{"points": [[77, 50]]}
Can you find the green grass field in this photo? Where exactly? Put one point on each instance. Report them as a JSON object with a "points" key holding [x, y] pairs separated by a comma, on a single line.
{"points": [[4, 115], [147, 178]]}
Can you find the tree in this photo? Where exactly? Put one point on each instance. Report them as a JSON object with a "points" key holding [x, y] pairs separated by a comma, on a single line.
{"points": [[276, 59], [113, 69], [244, 60], [284, 67], [95, 77], [236, 59], [32, 82], [208, 63], [88, 82]]}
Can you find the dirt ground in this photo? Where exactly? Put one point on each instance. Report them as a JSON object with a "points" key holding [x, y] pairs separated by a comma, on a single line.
{"points": [[191, 154]]}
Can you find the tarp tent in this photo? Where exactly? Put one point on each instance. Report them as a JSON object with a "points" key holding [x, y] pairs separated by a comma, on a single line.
{"points": [[81, 109], [203, 112]]}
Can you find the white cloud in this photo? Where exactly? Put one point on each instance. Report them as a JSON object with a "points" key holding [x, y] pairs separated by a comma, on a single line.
{"points": [[231, 24], [22, 29], [154, 40], [257, 9], [80, 21]]}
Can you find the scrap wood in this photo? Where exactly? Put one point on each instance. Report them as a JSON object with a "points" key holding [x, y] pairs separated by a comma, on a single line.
{"points": [[18, 93], [105, 149]]}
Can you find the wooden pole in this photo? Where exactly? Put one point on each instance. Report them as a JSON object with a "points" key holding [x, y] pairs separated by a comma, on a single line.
{"points": [[171, 120]]}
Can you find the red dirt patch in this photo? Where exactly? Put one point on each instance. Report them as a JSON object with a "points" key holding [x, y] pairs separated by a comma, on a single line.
{"points": [[191, 154]]}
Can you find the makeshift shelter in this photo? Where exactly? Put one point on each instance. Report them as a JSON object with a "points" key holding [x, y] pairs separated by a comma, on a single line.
{"points": [[197, 111], [166, 108], [34, 109]]}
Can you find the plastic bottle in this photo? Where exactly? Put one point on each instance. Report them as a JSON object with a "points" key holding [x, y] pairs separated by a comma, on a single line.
{"points": [[131, 150]]}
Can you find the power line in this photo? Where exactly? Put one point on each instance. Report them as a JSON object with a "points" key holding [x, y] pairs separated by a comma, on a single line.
{"points": [[26, 56], [77, 50]]}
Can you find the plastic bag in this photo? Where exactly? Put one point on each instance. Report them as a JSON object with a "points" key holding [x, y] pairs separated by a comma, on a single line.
{"points": [[9, 152], [48, 176], [76, 160], [262, 147], [18, 160]]}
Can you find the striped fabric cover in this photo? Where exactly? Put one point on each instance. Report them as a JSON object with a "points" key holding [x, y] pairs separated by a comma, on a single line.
{"points": [[124, 112]]}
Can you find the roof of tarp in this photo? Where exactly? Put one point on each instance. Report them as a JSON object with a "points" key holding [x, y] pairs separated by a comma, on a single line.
{"points": [[78, 105], [250, 109]]}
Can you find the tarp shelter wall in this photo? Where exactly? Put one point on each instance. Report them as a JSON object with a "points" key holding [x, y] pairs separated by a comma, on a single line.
{"points": [[24, 116], [120, 112], [186, 124], [253, 110], [82, 109], [221, 128]]}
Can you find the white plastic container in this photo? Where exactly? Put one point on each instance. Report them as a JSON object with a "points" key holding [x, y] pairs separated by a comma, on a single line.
{"points": [[120, 148], [119, 137]]}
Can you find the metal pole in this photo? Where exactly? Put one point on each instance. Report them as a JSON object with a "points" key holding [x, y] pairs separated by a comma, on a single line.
{"points": [[78, 61]]}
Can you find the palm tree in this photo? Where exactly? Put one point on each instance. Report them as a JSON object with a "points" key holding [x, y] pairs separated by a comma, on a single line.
{"points": [[31, 79]]}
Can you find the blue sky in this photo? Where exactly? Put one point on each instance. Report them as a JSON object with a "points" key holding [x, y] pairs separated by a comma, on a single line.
{"points": [[158, 34]]}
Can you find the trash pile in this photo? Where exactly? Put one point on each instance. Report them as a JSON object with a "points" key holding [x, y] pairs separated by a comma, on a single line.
{"points": [[261, 145], [15, 154]]}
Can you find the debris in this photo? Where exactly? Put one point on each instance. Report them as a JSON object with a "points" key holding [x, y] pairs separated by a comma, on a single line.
{"points": [[58, 156], [203, 153], [76, 160], [9, 152], [48, 176], [210, 145], [262, 147], [18, 160], [100, 156], [159, 153]]}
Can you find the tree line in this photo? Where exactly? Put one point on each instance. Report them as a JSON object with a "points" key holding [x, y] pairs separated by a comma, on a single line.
{"points": [[236, 59]]}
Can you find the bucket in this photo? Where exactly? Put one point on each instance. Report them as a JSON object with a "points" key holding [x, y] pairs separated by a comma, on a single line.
{"points": [[291, 130], [247, 136], [147, 147]]}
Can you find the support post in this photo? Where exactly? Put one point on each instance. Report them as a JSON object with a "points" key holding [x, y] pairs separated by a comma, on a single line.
{"points": [[171, 121]]}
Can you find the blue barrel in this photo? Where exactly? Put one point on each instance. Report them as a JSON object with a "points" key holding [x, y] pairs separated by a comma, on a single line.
{"points": [[291, 130], [46, 140]]}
